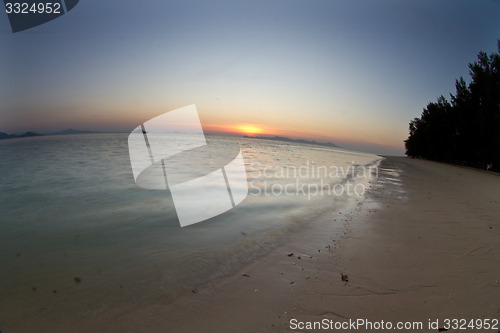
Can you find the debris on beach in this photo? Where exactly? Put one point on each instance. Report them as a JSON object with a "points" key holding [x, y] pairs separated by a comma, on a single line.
{"points": [[243, 233], [245, 275], [78, 279], [290, 254], [195, 291], [344, 277], [299, 257]]}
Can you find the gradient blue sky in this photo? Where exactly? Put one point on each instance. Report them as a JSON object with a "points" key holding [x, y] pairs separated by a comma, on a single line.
{"points": [[351, 72]]}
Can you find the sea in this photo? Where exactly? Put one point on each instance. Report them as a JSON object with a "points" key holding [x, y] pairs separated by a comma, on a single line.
{"points": [[78, 236]]}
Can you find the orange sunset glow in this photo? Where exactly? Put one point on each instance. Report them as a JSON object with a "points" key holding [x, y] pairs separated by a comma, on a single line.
{"points": [[248, 129]]}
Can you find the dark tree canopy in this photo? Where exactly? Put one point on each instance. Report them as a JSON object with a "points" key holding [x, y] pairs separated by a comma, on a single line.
{"points": [[466, 129]]}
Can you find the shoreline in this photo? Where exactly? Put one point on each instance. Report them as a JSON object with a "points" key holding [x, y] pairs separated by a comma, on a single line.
{"points": [[418, 248], [421, 245]]}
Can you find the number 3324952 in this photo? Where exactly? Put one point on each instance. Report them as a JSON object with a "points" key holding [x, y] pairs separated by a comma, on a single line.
{"points": [[35, 8]]}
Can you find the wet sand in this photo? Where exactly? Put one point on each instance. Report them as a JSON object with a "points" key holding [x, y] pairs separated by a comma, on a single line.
{"points": [[424, 244]]}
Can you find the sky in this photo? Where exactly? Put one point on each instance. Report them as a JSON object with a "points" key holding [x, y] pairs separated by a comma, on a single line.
{"points": [[350, 72]]}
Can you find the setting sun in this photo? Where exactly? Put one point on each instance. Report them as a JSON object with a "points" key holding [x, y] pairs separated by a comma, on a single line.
{"points": [[249, 129]]}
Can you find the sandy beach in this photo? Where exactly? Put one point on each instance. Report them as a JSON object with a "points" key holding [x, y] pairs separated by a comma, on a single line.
{"points": [[422, 246], [250, 166]]}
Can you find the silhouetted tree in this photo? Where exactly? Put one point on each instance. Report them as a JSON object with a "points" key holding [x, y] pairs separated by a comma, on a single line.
{"points": [[467, 130]]}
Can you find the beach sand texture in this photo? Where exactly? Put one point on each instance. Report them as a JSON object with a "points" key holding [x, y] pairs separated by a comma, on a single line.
{"points": [[424, 244]]}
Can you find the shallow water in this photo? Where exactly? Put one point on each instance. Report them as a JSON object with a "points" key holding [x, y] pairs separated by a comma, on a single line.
{"points": [[70, 208]]}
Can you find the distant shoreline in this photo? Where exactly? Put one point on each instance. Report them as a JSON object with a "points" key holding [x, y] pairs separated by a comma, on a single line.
{"points": [[29, 134], [4, 136], [285, 139]]}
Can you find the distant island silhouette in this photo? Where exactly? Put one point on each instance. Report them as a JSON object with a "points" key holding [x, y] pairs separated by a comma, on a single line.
{"points": [[32, 134], [285, 139], [13, 136], [74, 131]]}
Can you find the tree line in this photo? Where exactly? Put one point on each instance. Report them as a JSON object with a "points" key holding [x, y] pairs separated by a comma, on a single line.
{"points": [[466, 129]]}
